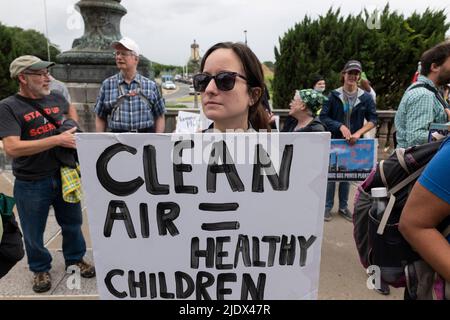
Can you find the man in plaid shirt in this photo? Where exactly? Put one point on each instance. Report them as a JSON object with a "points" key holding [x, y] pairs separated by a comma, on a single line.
{"points": [[421, 105], [128, 101]]}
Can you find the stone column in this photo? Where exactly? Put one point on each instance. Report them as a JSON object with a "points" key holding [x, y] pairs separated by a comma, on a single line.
{"points": [[91, 60]]}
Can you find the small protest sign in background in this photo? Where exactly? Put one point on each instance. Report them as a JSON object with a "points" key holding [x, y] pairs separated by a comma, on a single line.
{"points": [[352, 162]]}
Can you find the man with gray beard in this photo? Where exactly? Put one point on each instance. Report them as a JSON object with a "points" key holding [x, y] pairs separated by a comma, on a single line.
{"points": [[30, 139]]}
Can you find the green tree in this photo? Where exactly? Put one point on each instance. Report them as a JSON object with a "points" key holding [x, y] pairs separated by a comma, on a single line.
{"points": [[15, 42], [159, 68], [7, 54], [389, 54]]}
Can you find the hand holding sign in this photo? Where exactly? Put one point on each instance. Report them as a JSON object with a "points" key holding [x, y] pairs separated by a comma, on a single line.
{"points": [[67, 138]]}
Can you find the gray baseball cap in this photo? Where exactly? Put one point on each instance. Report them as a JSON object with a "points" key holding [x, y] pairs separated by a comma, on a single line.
{"points": [[353, 65], [23, 63]]}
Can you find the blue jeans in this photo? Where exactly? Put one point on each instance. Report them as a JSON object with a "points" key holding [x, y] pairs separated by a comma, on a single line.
{"points": [[344, 189], [33, 201]]}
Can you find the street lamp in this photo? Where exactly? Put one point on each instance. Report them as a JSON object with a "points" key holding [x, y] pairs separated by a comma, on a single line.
{"points": [[245, 33]]}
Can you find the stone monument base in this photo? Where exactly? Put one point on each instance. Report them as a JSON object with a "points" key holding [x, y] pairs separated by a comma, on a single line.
{"points": [[84, 96]]}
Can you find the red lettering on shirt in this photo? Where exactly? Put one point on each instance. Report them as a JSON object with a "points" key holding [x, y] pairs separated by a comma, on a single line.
{"points": [[36, 114], [31, 115], [42, 129]]}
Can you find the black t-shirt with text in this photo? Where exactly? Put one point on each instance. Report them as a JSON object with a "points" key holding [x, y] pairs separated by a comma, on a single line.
{"points": [[19, 118]]}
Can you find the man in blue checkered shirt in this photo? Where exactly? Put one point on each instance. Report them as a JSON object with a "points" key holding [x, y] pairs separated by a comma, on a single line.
{"points": [[421, 105], [128, 101]]}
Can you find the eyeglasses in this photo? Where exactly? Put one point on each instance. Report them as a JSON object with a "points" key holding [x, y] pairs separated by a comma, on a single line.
{"points": [[224, 80], [123, 53], [41, 74]]}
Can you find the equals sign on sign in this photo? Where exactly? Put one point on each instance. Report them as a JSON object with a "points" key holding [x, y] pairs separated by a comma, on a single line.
{"points": [[219, 207]]}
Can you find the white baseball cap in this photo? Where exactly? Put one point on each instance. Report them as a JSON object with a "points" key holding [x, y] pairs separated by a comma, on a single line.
{"points": [[128, 43]]}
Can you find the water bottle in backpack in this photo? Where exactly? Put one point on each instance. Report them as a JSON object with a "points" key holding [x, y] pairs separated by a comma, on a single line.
{"points": [[385, 246], [379, 202]]}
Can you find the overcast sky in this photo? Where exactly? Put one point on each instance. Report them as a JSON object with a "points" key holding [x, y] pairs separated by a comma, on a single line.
{"points": [[165, 29]]}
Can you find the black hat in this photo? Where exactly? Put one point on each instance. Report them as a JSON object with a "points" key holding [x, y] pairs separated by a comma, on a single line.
{"points": [[316, 78]]}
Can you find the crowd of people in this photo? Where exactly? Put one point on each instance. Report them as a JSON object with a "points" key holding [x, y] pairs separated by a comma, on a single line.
{"points": [[234, 96]]}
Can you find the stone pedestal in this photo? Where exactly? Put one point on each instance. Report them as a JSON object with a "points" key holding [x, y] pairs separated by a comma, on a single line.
{"points": [[84, 96], [91, 59]]}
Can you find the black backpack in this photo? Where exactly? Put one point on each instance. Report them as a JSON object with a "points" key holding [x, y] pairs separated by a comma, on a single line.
{"points": [[11, 245], [380, 242]]}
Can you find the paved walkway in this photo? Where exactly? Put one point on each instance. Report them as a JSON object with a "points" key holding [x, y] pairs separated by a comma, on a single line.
{"points": [[341, 276]]}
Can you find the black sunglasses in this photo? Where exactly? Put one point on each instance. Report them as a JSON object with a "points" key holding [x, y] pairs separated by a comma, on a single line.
{"points": [[224, 80]]}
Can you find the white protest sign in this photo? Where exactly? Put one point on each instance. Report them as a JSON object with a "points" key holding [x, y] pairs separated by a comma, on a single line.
{"points": [[214, 223], [277, 122], [187, 122]]}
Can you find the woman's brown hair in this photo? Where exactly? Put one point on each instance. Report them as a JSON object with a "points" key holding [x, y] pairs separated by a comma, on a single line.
{"points": [[257, 115]]}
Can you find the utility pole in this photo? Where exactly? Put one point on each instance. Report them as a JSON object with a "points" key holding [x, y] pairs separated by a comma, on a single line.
{"points": [[46, 30], [245, 33]]}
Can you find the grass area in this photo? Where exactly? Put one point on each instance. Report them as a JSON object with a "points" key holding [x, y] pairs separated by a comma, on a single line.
{"points": [[187, 99], [175, 106], [268, 81]]}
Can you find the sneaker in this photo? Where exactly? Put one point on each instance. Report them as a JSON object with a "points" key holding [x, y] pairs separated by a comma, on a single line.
{"points": [[384, 290], [42, 282], [346, 214], [86, 270], [327, 216]]}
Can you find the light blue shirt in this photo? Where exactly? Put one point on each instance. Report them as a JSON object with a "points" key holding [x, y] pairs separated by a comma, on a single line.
{"points": [[417, 110]]}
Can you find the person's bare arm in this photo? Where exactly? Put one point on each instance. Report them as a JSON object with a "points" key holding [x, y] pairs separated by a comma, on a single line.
{"points": [[14, 147], [72, 113], [422, 213], [160, 124], [358, 134], [100, 124]]}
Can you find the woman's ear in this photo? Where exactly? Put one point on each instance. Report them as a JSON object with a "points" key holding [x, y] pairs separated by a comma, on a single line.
{"points": [[255, 95]]}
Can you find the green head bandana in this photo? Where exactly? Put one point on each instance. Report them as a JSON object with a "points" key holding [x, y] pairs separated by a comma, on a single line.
{"points": [[313, 99]]}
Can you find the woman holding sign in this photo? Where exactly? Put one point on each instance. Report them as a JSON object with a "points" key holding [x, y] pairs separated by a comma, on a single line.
{"points": [[233, 99]]}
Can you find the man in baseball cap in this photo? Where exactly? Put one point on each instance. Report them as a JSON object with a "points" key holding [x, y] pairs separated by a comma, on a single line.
{"points": [[28, 121], [126, 43], [23, 63], [353, 65], [128, 101], [349, 113]]}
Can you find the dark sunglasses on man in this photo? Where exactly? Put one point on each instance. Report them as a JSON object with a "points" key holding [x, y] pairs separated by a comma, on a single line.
{"points": [[224, 80]]}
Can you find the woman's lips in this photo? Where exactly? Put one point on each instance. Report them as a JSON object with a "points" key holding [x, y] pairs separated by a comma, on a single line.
{"points": [[210, 103]]}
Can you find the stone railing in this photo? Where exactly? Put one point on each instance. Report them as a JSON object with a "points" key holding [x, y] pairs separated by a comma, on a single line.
{"points": [[383, 132]]}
